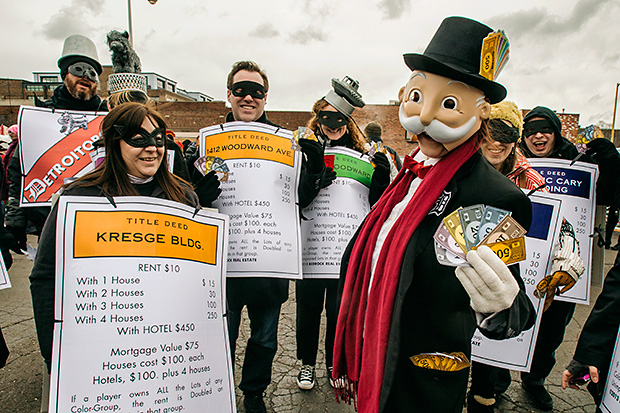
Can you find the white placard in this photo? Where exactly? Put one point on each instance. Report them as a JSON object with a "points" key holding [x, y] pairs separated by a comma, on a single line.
{"points": [[575, 186], [259, 194], [5, 281], [516, 353], [334, 215], [54, 146], [611, 396], [140, 298]]}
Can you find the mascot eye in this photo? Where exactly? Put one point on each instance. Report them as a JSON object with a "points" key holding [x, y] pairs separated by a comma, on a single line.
{"points": [[449, 103], [415, 95]]}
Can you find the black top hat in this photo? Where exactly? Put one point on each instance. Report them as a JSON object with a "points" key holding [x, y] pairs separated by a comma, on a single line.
{"points": [[454, 52]]}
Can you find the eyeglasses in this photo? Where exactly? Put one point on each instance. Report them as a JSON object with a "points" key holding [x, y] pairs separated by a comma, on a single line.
{"points": [[83, 69]]}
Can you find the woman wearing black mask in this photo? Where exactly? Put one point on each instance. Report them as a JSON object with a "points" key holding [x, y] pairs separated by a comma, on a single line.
{"points": [[332, 125]]}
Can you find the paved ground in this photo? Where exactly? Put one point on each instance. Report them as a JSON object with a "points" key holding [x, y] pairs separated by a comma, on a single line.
{"points": [[20, 380]]}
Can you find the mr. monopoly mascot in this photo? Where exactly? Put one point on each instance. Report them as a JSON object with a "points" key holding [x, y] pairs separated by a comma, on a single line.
{"points": [[403, 339]]}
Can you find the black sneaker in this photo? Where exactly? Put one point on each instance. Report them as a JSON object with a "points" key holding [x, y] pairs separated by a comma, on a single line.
{"points": [[330, 372], [254, 403], [305, 378], [539, 395]]}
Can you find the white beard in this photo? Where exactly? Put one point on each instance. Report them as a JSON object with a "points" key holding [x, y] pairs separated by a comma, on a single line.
{"points": [[440, 132]]}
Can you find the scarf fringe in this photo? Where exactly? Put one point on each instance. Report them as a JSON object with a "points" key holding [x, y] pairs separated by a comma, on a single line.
{"points": [[345, 390]]}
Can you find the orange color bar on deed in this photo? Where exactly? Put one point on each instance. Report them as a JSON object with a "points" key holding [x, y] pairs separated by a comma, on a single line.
{"points": [[143, 234], [250, 145]]}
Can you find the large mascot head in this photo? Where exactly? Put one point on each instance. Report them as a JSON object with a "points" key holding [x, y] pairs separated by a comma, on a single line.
{"points": [[452, 87]]}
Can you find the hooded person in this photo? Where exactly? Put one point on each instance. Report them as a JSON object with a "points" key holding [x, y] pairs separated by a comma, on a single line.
{"points": [[403, 337], [542, 136]]}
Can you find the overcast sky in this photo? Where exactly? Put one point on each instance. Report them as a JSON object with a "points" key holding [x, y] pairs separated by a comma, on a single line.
{"points": [[565, 54]]}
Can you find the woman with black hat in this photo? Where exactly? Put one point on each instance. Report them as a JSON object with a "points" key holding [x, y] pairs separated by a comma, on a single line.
{"points": [[332, 123]]}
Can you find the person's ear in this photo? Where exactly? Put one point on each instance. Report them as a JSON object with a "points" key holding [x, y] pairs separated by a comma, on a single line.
{"points": [[266, 97], [228, 95], [401, 94], [485, 110]]}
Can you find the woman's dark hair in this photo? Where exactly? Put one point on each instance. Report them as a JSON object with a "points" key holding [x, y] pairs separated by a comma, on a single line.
{"points": [[111, 175], [356, 135]]}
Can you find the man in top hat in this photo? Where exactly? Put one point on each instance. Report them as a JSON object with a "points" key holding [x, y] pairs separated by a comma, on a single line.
{"points": [[403, 339], [80, 69]]}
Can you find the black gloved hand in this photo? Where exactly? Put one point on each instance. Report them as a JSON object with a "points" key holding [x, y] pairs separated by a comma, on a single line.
{"points": [[382, 168], [328, 178], [208, 189], [19, 239], [314, 152], [380, 177], [602, 150]]}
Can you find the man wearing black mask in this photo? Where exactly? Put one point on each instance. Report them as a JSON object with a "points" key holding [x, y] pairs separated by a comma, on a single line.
{"points": [[247, 94], [80, 69]]}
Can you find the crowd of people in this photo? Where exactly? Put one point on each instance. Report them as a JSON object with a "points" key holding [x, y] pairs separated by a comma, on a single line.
{"points": [[394, 302]]}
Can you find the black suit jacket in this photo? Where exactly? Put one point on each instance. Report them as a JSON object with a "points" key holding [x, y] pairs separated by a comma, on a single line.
{"points": [[432, 310]]}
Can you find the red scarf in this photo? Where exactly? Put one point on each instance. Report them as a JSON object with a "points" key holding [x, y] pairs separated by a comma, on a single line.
{"points": [[364, 320]]}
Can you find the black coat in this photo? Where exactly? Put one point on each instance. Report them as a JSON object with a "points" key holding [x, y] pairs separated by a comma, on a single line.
{"points": [[432, 310], [598, 336], [43, 275]]}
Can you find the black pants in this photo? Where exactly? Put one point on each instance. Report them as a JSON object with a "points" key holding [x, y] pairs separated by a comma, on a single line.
{"points": [[488, 381], [612, 220], [550, 335], [311, 296], [261, 347]]}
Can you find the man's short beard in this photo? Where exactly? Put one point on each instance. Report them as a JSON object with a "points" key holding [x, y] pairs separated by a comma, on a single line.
{"points": [[81, 94]]}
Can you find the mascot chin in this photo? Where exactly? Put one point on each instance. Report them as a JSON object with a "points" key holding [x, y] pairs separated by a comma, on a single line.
{"points": [[408, 311]]}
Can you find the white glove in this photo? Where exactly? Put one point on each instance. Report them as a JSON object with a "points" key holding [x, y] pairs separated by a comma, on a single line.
{"points": [[566, 253], [489, 283]]}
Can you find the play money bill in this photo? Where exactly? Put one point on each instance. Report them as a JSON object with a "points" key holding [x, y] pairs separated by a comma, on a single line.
{"points": [[490, 218], [446, 240], [509, 251], [507, 229], [470, 218], [453, 224], [447, 258]]}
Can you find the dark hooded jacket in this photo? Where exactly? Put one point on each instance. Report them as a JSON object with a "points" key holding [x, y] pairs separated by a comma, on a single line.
{"points": [[563, 148]]}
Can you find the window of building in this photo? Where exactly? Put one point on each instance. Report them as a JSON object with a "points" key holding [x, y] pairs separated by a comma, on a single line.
{"points": [[34, 88], [49, 79], [170, 87], [160, 84]]}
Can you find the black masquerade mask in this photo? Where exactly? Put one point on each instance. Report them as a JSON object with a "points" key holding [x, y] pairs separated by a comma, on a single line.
{"points": [[502, 132], [534, 126], [244, 88], [83, 69], [143, 139], [332, 120]]}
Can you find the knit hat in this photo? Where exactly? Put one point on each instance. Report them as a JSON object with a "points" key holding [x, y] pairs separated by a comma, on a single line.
{"points": [[546, 113], [13, 129], [508, 111], [373, 131], [78, 48]]}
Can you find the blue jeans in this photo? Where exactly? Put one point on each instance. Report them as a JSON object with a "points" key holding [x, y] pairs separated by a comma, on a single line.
{"points": [[261, 347]]}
